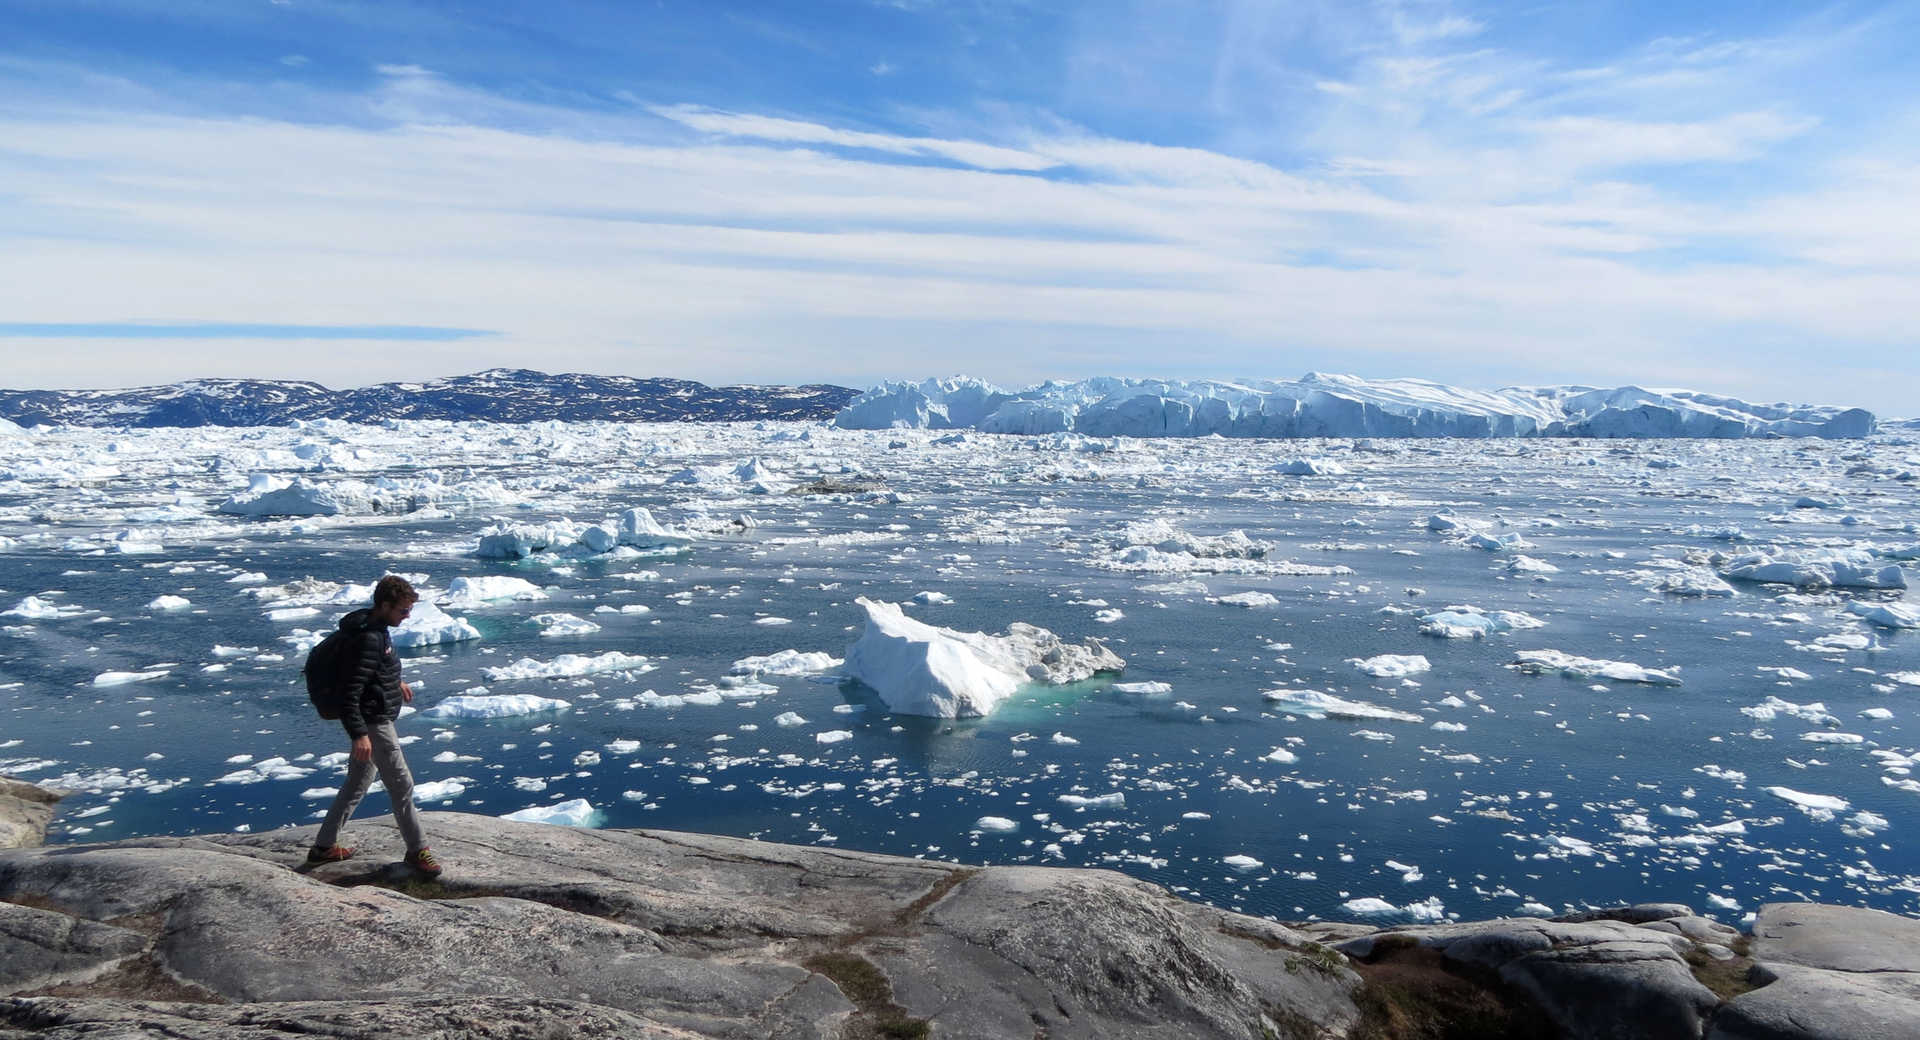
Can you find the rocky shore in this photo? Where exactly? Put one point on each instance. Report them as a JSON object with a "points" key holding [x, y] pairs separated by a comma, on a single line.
{"points": [[25, 811], [540, 932]]}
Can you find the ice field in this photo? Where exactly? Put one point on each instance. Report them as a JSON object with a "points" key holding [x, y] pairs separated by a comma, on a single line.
{"points": [[1390, 679]]}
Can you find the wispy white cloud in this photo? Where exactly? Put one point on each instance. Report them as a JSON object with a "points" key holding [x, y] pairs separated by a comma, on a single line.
{"points": [[1447, 210]]}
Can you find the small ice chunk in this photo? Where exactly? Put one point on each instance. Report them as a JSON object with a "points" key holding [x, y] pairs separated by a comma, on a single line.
{"points": [[168, 603], [787, 662], [1314, 704], [995, 823], [833, 736]]}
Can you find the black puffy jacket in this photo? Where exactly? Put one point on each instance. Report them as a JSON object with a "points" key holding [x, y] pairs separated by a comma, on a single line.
{"points": [[372, 695]]}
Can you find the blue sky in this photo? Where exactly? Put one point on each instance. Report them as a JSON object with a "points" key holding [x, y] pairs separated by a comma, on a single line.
{"points": [[1724, 196]]}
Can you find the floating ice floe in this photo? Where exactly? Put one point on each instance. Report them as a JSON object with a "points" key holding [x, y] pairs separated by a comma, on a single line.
{"points": [[1821, 807], [1689, 581], [467, 592], [169, 603], [1521, 563], [1242, 861], [636, 529], [1887, 615], [428, 625], [1774, 707], [1496, 542], [1142, 687], [1314, 704], [1115, 800], [1816, 568], [563, 624], [493, 706], [1543, 662], [1391, 666], [1425, 911], [1250, 600], [1470, 622], [441, 790], [1304, 467], [787, 662], [833, 736], [267, 495], [576, 813], [262, 771], [998, 824], [1281, 756], [33, 608], [918, 669], [123, 678], [567, 666]]}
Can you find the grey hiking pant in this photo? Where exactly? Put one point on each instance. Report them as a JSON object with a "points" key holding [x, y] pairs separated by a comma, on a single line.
{"points": [[393, 773]]}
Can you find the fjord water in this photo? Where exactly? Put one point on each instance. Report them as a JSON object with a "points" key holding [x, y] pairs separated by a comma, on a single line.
{"points": [[1557, 793]]}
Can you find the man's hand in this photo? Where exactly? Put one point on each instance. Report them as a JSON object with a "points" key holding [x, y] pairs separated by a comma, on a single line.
{"points": [[406, 693], [362, 749]]}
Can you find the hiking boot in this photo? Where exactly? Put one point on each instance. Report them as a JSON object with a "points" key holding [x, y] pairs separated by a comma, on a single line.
{"points": [[423, 860], [330, 854]]}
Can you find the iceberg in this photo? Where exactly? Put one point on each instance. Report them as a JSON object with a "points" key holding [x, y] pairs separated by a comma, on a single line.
{"points": [[1887, 615], [1542, 662], [469, 592], [429, 625], [1469, 622], [567, 666], [1817, 569], [576, 813], [1324, 405], [1391, 666], [918, 669], [493, 706], [270, 496], [1316, 705], [787, 662]]}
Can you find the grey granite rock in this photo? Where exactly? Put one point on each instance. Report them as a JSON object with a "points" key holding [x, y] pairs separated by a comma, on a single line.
{"points": [[25, 811], [41, 947], [424, 1018], [1828, 973], [1599, 979], [687, 934]]}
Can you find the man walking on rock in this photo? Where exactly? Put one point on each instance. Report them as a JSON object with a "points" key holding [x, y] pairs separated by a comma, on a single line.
{"points": [[370, 703]]}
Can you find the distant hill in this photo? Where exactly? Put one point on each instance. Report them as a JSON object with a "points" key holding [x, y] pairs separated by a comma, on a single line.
{"points": [[496, 395]]}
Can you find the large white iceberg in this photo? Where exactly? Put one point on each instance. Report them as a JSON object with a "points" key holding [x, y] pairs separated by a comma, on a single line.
{"points": [[1319, 405], [918, 669]]}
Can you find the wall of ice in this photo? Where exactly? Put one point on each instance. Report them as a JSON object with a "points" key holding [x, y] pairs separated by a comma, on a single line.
{"points": [[1318, 405]]}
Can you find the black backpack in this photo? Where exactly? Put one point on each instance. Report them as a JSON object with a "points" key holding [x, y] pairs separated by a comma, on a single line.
{"points": [[327, 673]]}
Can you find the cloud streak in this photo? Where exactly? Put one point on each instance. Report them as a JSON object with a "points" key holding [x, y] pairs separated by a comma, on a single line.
{"points": [[1450, 210]]}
